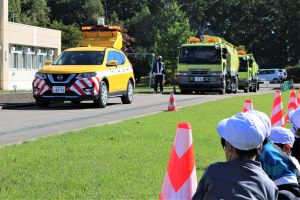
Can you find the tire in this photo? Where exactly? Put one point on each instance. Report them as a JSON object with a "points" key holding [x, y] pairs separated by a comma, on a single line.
{"points": [[128, 97], [275, 80], [254, 88], [42, 103], [182, 91], [101, 102], [246, 89], [257, 86], [236, 85], [222, 91]]}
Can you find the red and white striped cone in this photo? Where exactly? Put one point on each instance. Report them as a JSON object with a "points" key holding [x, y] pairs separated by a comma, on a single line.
{"points": [[180, 180], [248, 105], [298, 99], [172, 104], [292, 105], [277, 116]]}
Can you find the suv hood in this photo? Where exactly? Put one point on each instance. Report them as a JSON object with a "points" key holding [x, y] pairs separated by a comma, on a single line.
{"points": [[69, 69]]}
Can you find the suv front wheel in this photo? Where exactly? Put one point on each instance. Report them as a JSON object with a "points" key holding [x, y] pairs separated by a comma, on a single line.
{"points": [[128, 97], [101, 102]]}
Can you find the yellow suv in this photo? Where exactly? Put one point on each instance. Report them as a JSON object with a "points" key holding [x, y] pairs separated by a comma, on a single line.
{"points": [[95, 70]]}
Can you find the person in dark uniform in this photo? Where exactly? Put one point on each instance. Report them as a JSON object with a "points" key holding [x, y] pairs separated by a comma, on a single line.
{"points": [[158, 69]]}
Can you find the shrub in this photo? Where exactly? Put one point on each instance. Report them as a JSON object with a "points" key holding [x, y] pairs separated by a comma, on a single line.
{"points": [[293, 72]]}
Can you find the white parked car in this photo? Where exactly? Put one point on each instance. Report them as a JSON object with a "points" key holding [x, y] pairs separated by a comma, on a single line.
{"points": [[272, 75]]}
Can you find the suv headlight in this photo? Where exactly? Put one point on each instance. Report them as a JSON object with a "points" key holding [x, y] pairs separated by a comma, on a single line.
{"points": [[40, 75], [86, 75]]}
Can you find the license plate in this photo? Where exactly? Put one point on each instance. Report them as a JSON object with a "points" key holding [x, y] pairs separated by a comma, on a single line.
{"points": [[199, 78], [58, 89]]}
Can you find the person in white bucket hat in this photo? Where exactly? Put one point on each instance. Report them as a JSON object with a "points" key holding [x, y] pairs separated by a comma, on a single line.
{"points": [[294, 117], [278, 163], [241, 177]]}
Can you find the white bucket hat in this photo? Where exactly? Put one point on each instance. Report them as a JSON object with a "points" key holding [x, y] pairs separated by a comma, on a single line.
{"points": [[282, 135], [294, 117], [245, 131]]}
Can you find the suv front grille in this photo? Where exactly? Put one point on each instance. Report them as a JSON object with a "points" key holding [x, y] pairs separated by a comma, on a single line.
{"points": [[60, 78]]}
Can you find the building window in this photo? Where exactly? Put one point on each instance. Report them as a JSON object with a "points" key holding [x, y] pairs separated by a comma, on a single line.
{"points": [[29, 58], [16, 57]]}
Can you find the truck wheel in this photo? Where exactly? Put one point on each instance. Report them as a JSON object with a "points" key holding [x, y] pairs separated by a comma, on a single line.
{"points": [[222, 91], [42, 103], [246, 89], [128, 97], [182, 91], [101, 102], [254, 88], [236, 85]]}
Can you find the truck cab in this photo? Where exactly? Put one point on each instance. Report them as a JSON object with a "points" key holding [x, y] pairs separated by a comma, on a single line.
{"points": [[208, 64], [248, 72]]}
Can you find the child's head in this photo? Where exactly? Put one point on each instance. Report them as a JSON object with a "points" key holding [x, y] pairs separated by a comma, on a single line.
{"points": [[283, 137]]}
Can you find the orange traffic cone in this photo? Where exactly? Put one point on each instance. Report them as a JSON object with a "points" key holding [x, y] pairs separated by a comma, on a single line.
{"points": [[277, 117], [292, 105], [172, 104], [298, 100], [180, 180], [248, 105]]}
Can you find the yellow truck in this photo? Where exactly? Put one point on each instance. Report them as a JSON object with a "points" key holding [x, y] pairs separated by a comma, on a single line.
{"points": [[95, 70], [248, 72], [208, 63]]}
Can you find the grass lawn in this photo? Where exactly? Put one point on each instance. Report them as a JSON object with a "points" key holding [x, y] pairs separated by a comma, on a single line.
{"points": [[126, 160]]}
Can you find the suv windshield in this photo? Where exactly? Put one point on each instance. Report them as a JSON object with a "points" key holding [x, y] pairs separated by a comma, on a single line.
{"points": [[80, 58], [200, 55], [243, 65]]}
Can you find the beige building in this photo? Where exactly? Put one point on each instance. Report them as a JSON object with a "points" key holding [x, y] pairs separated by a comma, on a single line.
{"points": [[23, 50]]}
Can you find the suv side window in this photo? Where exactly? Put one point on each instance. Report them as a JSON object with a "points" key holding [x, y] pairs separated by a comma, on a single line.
{"points": [[122, 58], [110, 56], [114, 55], [118, 58]]}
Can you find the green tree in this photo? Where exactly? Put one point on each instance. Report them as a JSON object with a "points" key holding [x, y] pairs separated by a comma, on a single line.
{"points": [[93, 9], [174, 30], [14, 10], [70, 35], [31, 12], [268, 28], [35, 12]]}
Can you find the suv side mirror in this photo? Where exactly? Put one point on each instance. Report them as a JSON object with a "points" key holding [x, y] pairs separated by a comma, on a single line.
{"points": [[48, 62], [112, 63]]}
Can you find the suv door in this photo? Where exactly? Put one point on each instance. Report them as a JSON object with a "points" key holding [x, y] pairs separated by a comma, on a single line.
{"points": [[123, 66], [113, 73]]}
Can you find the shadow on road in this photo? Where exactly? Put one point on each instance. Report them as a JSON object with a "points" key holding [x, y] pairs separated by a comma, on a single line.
{"points": [[54, 106]]}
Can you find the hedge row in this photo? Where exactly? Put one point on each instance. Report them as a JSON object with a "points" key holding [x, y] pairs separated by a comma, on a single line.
{"points": [[293, 72]]}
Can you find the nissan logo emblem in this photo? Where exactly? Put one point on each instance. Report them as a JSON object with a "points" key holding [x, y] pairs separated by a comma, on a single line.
{"points": [[60, 77]]}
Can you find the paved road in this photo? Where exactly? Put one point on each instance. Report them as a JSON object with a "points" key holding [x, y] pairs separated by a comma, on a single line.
{"points": [[25, 123]]}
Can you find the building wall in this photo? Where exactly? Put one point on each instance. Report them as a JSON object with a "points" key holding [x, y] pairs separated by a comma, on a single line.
{"points": [[24, 50]]}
